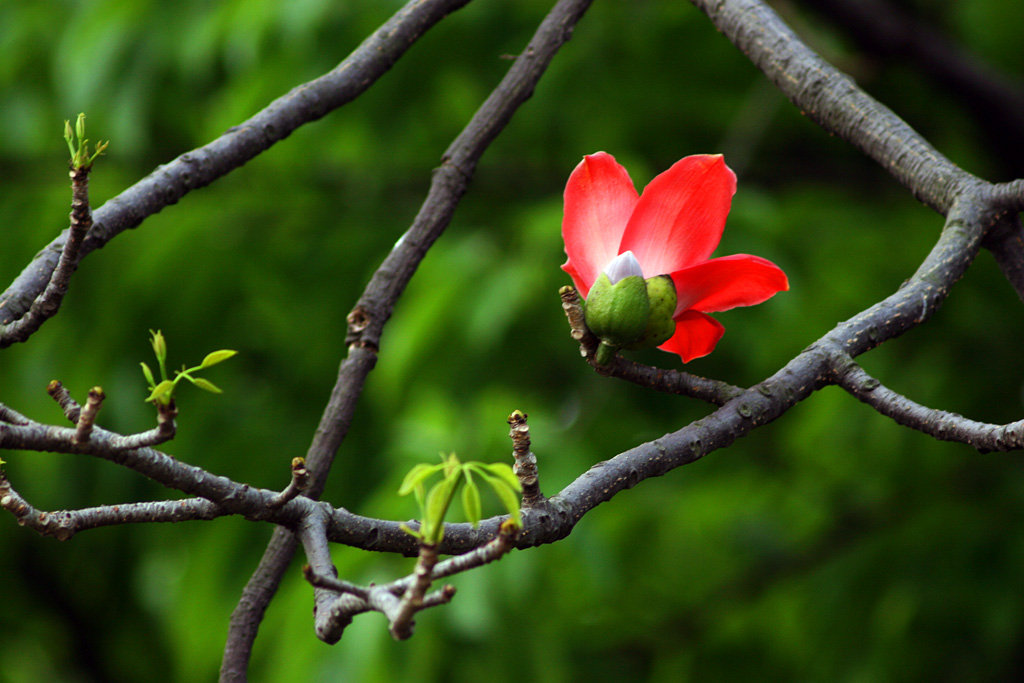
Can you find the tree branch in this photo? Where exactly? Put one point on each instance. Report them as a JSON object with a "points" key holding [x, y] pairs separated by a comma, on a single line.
{"points": [[940, 424], [831, 99], [200, 167], [666, 381], [63, 524], [367, 319], [1006, 242], [55, 285], [995, 100], [351, 600], [976, 214]]}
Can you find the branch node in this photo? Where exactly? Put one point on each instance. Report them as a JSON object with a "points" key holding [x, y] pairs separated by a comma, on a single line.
{"points": [[300, 481], [525, 466], [413, 599], [59, 393], [87, 416], [573, 307]]}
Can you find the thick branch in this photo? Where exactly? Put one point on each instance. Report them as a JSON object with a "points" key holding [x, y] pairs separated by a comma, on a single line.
{"points": [[831, 99], [994, 99], [1006, 242], [233, 497]]}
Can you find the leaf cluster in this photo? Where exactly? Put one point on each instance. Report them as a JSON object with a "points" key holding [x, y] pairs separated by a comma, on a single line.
{"points": [[434, 504], [162, 393], [78, 144]]}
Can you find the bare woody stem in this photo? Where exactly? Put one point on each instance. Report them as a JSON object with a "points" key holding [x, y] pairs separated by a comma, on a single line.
{"points": [[46, 305], [940, 424], [59, 393], [973, 211], [412, 600], [298, 484], [87, 416], [352, 600], [525, 466]]}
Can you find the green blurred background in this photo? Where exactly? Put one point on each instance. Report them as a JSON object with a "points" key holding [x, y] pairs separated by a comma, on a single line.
{"points": [[829, 546]]}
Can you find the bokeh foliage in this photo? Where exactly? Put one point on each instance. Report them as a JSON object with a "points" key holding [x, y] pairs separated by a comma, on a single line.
{"points": [[831, 545]]}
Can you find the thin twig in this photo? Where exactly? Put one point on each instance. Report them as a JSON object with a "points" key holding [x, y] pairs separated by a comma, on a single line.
{"points": [[333, 583], [299, 483], [87, 416], [62, 396], [63, 524], [354, 600], [412, 600], [940, 424], [12, 416], [668, 381]]}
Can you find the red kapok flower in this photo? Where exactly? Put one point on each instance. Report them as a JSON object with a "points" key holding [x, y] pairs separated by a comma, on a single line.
{"points": [[671, 229]]}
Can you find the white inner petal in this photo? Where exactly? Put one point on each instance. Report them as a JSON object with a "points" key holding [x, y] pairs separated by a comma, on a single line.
{"points": [[623, 265]]}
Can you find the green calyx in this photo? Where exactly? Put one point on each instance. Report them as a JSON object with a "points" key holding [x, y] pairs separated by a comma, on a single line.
{"points": [[618, 313], [662, 299]]}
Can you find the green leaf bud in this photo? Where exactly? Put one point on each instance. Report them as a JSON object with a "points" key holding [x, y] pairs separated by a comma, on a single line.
{"points": [[617, 312], [148, 374], [159, 345], [661, 295]]}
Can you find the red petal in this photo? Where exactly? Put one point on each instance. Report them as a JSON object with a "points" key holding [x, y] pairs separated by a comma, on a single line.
{"points": [[599, 198], [727, 282], [696, 335], [679, 219]]}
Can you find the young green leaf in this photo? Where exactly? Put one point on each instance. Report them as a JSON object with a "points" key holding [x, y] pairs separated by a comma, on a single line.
{"points": [[421, 496], [161, 392], [416, 476], [471, 500], [452, 477], [149, 375], [204, 384], [501, 470], [508, 496], [216, 357], [451, 464], [438, 508], [69, 136], [433, 518]]}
